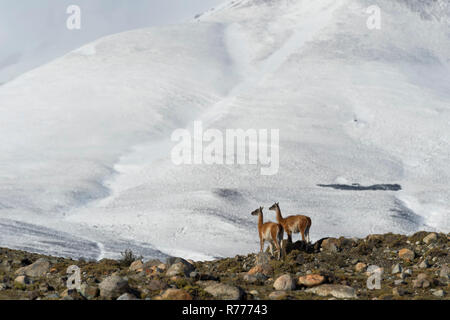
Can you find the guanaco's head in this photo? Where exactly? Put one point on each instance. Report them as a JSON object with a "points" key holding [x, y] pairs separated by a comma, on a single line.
{"points": [[257, 211], [275, 206]]}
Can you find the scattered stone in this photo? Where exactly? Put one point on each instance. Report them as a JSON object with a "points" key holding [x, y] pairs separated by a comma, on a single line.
{"points": [[254, 292], [284, 282], [156, 285], [113, 287], [180, 269], [439, 293], [311, 280], [88, 291], [335, 290], [397, 268], [330, 245], [424, 264], [278, 295], [265, 269], [224, 291], [398, 291], [254, 278], [360, 266], [262, 258], [71, 295], [406, 254], [399, 282], [127, 296], [136, 266], [432, 237], [22, 281], [175, 294], [421, 281], [35, 270]]}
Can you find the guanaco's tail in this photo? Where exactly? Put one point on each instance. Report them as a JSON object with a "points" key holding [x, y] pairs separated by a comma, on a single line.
{"points": [[307, 230]]}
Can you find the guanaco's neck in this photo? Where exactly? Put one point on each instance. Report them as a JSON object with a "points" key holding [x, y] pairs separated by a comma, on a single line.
{"points": [[260, 220], [278, 211]]}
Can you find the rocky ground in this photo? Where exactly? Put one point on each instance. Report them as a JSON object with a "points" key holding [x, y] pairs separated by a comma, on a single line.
{"points": [[408, 267]]}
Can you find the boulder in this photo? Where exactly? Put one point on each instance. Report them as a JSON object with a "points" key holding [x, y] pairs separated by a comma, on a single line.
{"points": [[22, 281], [432, 237], [175, 294], [127, 296], [136, 266], [254, 278], [311, 280], [265, 269], [36, 269], [406, 254], [113, 287], [156, 285], [337, 291], [180, 269], [360, 267], [330, 245], [88, 291], [71, 294], [439, 293], [284, 282], [421, 281], [223, 291], [278, 295], [262, 258], [397, 268]]}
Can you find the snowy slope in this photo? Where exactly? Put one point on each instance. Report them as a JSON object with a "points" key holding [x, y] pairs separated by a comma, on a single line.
{"points": [[85, 141]]}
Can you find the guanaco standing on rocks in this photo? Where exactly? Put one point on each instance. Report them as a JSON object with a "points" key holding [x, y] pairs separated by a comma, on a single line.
{"points": [[269, 231], [293, 224]]}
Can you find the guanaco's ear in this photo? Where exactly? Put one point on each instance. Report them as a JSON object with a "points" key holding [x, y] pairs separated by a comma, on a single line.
{"points": [[261, 208]]}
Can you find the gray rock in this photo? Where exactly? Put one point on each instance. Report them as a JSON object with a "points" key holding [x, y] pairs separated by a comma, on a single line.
{"points": [[432, 237], [224, 291], [397, 268], [127, 296], [439, 293], [421, 281], [35, 270], [337, 291], [155, 285], [89, 292], [262, 258], [284, 282], [254, 278], [278, 295], [22, 280], [180, 269], [113, 287], [399, 282], [424, 264], [330, 245]]}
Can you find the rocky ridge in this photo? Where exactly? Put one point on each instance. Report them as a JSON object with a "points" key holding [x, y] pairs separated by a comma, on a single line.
{"points": [[385, 266]]}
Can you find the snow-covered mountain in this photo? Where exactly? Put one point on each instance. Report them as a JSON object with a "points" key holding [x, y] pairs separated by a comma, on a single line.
{"points": [[85, 164]]}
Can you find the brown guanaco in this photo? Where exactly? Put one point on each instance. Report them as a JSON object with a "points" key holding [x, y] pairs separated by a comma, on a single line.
{"points": [[269, 231], [293, 224]]}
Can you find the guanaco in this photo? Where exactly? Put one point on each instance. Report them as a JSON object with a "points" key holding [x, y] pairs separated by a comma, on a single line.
{"points": [[293, 224], [269, 231]]}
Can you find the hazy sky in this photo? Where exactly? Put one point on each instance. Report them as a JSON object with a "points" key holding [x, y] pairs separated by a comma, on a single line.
{"points": [[33, 32]]}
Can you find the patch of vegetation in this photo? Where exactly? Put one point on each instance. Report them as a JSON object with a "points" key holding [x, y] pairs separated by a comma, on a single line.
{"points": [[128, 257]]}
